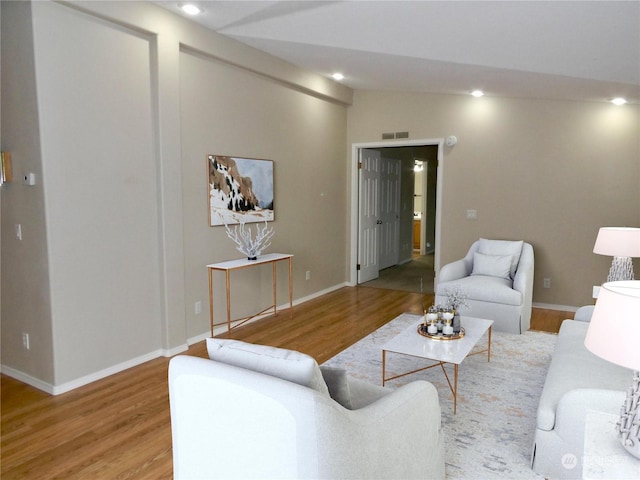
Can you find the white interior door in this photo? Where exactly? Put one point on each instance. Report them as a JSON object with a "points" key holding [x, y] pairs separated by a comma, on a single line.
{"points": [[390, 170], [356, 198], [368, 215]]}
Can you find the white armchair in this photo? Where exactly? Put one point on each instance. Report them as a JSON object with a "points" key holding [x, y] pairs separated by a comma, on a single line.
{"points": [[497, 278], [261, 412]]}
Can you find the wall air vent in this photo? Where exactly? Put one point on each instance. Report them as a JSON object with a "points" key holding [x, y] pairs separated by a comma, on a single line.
{"points": [[388, 136], [402, 134]]}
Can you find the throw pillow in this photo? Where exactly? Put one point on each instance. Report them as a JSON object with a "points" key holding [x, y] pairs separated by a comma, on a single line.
{"points": [[492, 265], [336, 379], [503, 247], [288, 365]]}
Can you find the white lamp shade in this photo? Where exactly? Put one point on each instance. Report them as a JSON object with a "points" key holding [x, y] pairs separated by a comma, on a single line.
{"points": [[614, 330], [618, 242]]}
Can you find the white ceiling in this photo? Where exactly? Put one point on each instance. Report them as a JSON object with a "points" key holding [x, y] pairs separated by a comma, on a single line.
{"points": [[572, 50]]}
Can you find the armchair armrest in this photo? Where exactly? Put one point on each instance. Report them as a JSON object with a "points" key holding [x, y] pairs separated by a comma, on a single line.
{"points": [[523, 280], [404, 426], [455, 271], [573, 406]]}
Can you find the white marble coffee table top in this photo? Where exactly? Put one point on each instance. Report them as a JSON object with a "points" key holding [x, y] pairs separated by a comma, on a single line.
{"points": [[410, 342]]}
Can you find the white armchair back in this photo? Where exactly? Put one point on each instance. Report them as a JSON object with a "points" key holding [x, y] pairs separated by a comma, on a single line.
{"points": [[230, 422]]}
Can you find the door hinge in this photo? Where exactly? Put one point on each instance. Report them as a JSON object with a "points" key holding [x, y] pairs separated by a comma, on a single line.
{"points": [[358, 267], [359, 165]]}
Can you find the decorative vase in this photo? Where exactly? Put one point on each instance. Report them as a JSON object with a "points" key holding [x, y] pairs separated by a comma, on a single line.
{"points": [[456, 322]]}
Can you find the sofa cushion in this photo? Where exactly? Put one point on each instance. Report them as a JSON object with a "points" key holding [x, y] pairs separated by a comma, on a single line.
{"points": [[338, 384], [492, 265], [573, 367], [288, 365], [486, 289], [503, 247]]}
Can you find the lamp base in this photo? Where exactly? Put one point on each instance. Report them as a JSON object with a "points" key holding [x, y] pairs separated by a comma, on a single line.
{"points": [[629, 424], [621, 269]]}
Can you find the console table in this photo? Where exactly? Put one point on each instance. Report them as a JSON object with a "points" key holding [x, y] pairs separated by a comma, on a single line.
{"points": [[227, 267]]}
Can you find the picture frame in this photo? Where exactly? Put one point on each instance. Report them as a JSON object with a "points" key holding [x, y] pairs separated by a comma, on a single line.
{"points": [[240, 190]]}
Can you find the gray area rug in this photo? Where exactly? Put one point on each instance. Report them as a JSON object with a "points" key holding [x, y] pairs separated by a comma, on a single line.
{"points": [[491, 435], [407, 276]]}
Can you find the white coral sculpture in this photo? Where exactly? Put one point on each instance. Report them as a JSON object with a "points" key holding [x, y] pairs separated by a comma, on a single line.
{"points": [[248, 244]]}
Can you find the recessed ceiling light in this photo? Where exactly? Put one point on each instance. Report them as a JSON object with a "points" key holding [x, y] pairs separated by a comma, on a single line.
{"points": [[190, 9], [477, 93], [337, 76], [618, 101]]}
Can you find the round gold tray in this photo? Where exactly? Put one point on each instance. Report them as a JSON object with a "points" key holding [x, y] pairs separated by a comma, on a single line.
{"points": [[422, 330]]}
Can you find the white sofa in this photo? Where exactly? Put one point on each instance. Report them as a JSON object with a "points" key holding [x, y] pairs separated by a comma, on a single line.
{"points": [[497, 278], [261, 412], [577, 381]]}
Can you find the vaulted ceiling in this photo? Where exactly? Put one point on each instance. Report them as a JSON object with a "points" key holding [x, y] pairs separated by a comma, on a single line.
{"points": [[571, 50]]}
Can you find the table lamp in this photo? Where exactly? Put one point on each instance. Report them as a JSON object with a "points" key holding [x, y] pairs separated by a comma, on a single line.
{"points": [[614, 335], [621, 243]]}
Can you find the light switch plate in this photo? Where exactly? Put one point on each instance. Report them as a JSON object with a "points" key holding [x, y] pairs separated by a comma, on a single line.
{"points": [[29, 179]]}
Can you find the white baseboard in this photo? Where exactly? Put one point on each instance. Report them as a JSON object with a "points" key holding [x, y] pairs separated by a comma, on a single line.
{"points": [[28, 379], [281, 308], [320, 293], [175, 350], [551, 306], [92, 377]]}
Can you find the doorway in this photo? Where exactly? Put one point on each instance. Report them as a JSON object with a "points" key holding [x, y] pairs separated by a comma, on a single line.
{"points": [[413, 207]]}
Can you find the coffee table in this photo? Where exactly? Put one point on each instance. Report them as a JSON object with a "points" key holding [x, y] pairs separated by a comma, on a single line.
{"points": [[410, 342]]}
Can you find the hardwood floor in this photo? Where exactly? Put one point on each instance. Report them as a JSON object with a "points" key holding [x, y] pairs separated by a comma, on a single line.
{"points": [[119, 427]]}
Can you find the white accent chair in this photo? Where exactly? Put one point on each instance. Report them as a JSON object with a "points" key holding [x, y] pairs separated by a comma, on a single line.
{"points": [[261, 412], [497, 278]]}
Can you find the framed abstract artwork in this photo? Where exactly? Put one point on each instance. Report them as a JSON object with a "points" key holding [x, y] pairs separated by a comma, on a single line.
{"points": [[240, 190]]}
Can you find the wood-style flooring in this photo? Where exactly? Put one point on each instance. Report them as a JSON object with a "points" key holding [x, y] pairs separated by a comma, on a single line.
{"points": [[119, 427]]}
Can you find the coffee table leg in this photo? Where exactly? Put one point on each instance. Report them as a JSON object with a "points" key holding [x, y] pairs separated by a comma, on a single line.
{"points": [[384, 361], [455, 387], [489, 345]]}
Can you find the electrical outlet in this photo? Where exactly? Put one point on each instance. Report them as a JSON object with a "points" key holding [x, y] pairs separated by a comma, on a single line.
{"points": [[308, 275], [546, 283], [25, 341], [18, 231], [197, 308]]}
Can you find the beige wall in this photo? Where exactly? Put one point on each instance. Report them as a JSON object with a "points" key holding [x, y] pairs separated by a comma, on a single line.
{"points": [[549, 172], [113, 109], [26, 305], [115, 113], [229, 111]]}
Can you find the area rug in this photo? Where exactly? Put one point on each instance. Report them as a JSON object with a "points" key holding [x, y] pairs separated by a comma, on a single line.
{"points": [[414, 276], [491, 435]]}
